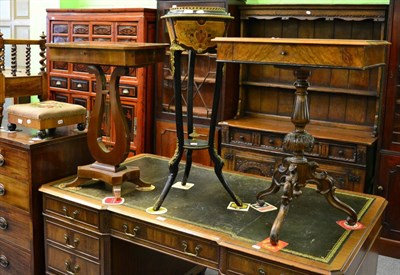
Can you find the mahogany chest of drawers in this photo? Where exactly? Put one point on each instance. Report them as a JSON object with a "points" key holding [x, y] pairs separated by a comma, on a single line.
{"points": [[26, 164]]}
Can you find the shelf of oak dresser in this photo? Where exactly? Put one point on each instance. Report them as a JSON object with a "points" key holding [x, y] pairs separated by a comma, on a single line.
{"points": [[311, 88], [360, 135]]}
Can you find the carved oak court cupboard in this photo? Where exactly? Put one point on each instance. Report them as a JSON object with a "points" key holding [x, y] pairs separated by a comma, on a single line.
{"points": [[25, 165], [71, 82], [344, 105]]}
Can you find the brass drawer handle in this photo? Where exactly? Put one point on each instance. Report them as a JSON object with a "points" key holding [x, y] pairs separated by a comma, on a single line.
{"points": [[68, 243], [2, 190], [71, 270], [74, 214], [134, 231], [197, 249], [4, 261], [261, 271], [3, 223], [2, 160]]}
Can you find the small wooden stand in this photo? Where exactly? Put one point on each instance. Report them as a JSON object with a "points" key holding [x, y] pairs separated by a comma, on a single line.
{"points": [[108, 166], [302, 55]]}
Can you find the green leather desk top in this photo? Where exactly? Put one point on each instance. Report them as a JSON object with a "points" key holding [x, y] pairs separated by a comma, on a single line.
{"points": [[310, 227]]}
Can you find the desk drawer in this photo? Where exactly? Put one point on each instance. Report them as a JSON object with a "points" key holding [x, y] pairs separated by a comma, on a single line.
{"points": [[14, 192], [76, 241], [14, 260], [241, 264], [15, 163], [183, 245], [15, 226], [60, 261], [71, 213]]}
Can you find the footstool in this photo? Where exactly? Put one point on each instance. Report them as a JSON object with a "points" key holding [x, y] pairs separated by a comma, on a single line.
{"points": [[44, 115]]}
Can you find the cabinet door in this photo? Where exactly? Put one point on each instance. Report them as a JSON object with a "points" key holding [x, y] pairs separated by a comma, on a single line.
{"points": [[391, 126], [388, 186]]}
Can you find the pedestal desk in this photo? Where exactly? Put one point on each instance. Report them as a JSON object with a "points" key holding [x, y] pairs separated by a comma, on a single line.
{"points": [[85, 236]]}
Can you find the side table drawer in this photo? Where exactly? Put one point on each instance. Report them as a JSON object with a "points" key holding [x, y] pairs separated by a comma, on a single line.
{"points": [[187, 246], [15, 226], [15, 163], [60, 261], [14, 260], [77, 241], [72, 213], [240, 264], [14, 192]]}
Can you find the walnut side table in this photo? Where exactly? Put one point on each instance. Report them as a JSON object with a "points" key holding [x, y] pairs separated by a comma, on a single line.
{"points": [[301, 56], [108, 166]]}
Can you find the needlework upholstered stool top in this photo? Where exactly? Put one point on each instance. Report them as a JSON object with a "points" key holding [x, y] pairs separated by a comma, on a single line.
{"points": [[44, 115]]}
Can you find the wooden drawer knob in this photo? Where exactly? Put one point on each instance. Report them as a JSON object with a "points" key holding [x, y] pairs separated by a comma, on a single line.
{"points": [[2, 190], [3, 223], [4, 261], [2, 160]]}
